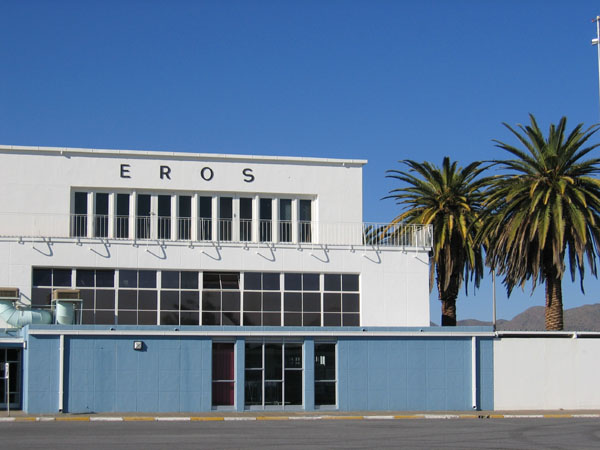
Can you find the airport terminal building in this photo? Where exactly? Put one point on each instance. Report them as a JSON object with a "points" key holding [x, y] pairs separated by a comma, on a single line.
{"points": [[142, 281]]}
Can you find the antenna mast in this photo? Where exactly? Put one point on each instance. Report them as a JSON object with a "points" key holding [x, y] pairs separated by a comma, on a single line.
{"points": [[596, 42]]}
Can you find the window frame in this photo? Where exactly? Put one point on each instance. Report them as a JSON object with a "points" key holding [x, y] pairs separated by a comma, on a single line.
{"points": [[232, 382], [335, 380], [264, 406]]}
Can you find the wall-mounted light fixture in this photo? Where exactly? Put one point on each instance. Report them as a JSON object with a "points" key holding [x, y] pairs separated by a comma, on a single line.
{"points": [[138, 345]]}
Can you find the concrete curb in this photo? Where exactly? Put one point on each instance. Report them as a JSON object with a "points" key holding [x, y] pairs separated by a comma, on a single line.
{"points": [[280, 418]]}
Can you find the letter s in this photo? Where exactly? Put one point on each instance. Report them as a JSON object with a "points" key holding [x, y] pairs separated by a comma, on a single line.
{"points": [[249, 177]]}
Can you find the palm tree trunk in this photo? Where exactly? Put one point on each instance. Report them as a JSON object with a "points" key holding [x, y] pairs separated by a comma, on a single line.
{"points": [[448, 298], [554, 306], [449, 312]]}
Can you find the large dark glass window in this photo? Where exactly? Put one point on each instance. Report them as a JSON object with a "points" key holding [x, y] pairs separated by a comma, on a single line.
{"points": [[97, 290], [221, 298], [164, 217], [80, 210], [101, 215], [273, 375], [143, 216], [262, 299], [184, 218], [302, 300], [85, 278], [245, 219], [61, 277], [179, 298], [105, 278], [285, 220], [225, 218], [205, 219], [148, 297], [122, 217], [341, 300], [147, 278], [266, 219], [138, 299], [305, 215], [43, 281]]}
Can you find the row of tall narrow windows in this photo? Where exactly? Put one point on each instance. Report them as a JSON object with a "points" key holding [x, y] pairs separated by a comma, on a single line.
{"points": [[273, 375], [191, 217]]}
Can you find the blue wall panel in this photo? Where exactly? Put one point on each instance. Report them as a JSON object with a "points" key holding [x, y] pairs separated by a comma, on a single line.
{"points": [[404, 374], [240, 379], [309, 374], [486, 374], [107, 375], [342, 370], [40, 386]]}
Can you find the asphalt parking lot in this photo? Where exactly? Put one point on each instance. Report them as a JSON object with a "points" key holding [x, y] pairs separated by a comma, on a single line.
{"points": [[348, 432]]}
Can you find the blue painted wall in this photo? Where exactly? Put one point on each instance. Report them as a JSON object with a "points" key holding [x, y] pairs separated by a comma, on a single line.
{"points": [[173, 373], [485, 360], [410, 374], [309, 374], [239, 373], [107, 375], [40, 374]]}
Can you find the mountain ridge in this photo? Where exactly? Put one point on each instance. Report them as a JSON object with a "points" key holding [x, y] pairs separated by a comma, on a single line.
{"points": [[581, 318]]}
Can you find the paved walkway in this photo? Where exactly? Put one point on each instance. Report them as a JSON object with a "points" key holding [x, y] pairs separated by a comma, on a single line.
{"points": [[20, 416]]}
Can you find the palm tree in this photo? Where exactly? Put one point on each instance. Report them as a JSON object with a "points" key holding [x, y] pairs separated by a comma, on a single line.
{"points": [[449, 198], [545, 206]]}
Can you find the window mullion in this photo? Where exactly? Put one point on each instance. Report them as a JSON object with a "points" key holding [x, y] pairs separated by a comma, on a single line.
{"points": [[263, 371], [283, 350]]}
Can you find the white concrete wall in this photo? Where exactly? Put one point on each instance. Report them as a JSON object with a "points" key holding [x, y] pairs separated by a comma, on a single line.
{"points": [[393, 283], [40, 181], [546, 373], [37, 185]]}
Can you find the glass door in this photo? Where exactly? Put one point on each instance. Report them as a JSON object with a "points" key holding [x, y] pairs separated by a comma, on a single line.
{"points": [[12, 356], [273, 375], [223, 374]]}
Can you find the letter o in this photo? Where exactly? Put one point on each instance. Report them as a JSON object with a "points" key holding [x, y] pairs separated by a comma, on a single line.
{"points": [[207, 173]]}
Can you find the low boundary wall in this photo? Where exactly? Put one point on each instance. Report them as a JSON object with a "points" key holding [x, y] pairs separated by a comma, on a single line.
{"points": [[544, 371]]}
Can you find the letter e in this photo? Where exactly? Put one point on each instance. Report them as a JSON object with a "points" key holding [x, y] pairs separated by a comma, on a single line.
{"points": [[125, 171]]}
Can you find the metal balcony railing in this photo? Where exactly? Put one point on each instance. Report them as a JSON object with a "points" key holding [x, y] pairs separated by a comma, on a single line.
{"points": [[21, 225]]}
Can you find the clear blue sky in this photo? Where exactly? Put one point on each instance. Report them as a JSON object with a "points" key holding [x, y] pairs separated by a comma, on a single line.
{"points": [[379, 80]]}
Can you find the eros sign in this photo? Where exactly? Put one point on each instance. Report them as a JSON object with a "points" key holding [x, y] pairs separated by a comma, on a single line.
{"points": [[206, 173]]}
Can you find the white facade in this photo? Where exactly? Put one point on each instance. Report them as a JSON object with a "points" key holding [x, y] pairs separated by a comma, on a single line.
{"points": [[89, 210]]}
